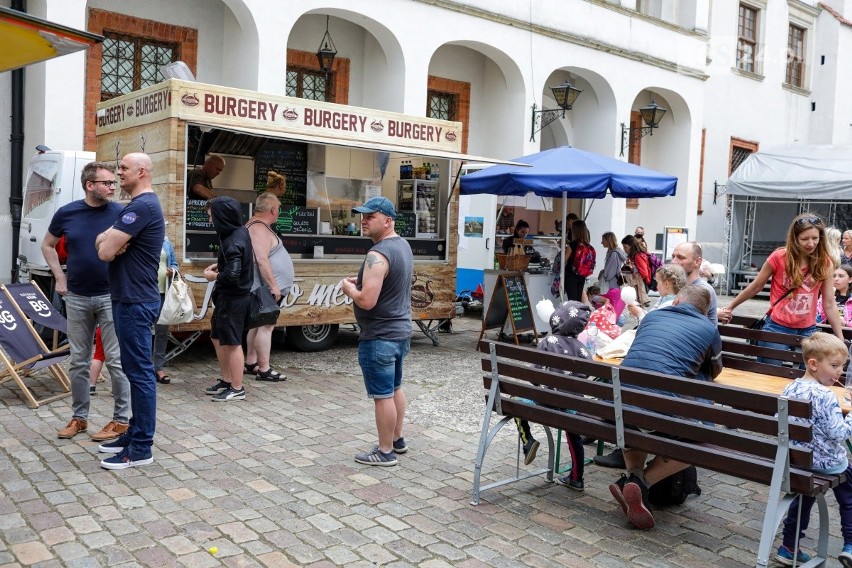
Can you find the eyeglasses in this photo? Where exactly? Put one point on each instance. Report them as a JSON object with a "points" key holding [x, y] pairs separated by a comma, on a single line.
{"points": [[106, 182], [809, 220]]}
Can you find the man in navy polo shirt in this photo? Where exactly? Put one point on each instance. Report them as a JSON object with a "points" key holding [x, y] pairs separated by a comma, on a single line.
{"points": [[86, 294], [132, 248]]}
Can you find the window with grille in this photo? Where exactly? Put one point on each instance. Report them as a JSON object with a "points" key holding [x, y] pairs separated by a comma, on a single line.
{"points": [[738, 156], [441, 105], [747, 38], [309, 84], [795, 55], [131, 63]]}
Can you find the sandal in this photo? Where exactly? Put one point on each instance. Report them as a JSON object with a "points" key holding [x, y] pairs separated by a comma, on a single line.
{"points": [[270, 375], [163, 378], [250, 369]]}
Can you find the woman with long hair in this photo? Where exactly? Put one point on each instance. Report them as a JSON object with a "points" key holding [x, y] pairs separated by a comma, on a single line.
{"points": [[522, 229], [575, 284], [832, 241], [613, 262], [842, 277], [846, 245], [801, 272], [638, 271]]}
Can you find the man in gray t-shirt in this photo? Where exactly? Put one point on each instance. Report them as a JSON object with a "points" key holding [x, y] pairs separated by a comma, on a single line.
{"points": [[381, 294], [689, 256]]}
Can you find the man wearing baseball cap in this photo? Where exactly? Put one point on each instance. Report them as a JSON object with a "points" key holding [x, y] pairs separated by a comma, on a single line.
{"points": [[381, 295]]}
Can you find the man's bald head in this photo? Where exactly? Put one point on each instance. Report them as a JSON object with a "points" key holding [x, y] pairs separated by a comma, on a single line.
{"points": [[135, 172], [688, 255], [213, 166]]}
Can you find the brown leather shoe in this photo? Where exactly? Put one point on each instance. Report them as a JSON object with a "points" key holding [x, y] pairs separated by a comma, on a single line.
{"points": [[74, 427], [111, 431]]}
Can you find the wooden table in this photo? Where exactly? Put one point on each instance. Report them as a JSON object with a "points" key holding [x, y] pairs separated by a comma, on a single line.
{"points": [[761, 383]]}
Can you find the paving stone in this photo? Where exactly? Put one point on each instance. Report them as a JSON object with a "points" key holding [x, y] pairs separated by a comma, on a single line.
{"points": [[29, 553]]}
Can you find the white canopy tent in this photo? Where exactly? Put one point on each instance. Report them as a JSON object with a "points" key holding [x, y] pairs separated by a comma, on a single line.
{"points": [[774, 185]]}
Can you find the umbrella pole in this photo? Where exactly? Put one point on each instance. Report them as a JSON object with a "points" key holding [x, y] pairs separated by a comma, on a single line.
{"points": [[564, 260]]}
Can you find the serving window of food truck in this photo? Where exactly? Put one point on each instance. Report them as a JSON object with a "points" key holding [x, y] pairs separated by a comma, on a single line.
{"points": [[330, 158]]}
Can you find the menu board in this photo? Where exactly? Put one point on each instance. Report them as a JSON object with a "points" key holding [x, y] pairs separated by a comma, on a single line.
{"points": [[509, 301], [297, 221], [196, 215], [286, 158], [406, 224]]}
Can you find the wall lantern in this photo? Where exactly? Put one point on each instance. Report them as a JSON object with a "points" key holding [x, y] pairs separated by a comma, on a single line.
{"points": [[652, 114], [565, 95], [326, 52]]}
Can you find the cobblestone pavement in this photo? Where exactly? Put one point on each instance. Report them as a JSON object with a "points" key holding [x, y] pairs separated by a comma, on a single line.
{"points": [[270, 481]]}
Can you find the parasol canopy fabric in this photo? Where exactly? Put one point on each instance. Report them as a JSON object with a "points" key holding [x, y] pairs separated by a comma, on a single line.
{"points": [[25, 39], [570, 172]]}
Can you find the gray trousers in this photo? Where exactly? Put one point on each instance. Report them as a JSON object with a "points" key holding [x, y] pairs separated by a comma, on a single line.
{"points": [[84, 314]]}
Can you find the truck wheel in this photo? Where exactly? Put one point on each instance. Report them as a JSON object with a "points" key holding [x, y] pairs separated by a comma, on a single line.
{"points": [[312, 337]]}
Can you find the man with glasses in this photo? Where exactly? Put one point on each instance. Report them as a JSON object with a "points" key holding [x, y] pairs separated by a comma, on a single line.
{"points": [[85, 290]]}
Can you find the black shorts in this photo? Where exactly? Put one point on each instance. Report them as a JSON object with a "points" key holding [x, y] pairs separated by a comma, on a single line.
{"points": [[229, 320]]}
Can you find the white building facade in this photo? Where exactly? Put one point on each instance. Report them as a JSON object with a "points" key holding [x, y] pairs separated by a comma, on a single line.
{"points": [[732, 75]]}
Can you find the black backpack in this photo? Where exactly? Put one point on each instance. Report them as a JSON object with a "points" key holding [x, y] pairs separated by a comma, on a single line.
{"points": [[674, 489]]}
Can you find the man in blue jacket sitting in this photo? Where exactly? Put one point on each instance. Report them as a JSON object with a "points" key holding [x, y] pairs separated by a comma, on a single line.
{"points": [[697, 355]]}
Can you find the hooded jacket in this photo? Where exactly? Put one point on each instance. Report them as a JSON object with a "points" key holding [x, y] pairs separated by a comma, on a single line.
{"points": [[236, 257], [566, 322]]}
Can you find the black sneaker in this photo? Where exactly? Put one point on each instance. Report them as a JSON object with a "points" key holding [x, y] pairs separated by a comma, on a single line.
{"points": [[93, 391], [218, 387], [230, 393], [115, 446], [614, 459], [617, 491], [575, 484], [399, 446], [530, 449], [638, 508]]}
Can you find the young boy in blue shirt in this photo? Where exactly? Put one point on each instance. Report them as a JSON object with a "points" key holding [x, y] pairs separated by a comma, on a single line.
{"points": [[824, 356]]}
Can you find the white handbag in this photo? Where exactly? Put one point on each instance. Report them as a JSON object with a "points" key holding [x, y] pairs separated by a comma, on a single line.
{"points": [[179, 303]]}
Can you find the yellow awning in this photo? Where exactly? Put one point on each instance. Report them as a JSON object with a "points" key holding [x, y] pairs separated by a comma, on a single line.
{"points": [[25, 39]]}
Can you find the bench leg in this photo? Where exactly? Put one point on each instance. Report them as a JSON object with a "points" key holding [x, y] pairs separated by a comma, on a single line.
{"points": [[774, 516]]}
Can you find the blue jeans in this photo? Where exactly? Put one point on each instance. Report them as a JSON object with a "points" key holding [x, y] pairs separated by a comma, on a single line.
{"points": [[161, 341], [84, 314], [778, 328], [133, 324], [843, 494], [381, 364]]}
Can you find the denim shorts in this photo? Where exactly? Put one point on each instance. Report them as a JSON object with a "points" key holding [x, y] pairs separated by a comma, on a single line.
{"points": [[778, 328], [381, 364]]}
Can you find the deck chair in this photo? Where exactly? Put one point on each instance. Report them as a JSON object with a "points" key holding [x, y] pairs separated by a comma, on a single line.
{"points": [[177, 346], [38, 308], [23, 353]]}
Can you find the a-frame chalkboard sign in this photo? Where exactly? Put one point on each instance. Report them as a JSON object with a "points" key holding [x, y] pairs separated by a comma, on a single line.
{"points": [[510, 300]]}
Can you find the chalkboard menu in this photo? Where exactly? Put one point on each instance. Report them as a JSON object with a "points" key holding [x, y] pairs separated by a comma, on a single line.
{"points": [[196, 215], [406, 224], [297, 221], [510, 300], [286, 158]]}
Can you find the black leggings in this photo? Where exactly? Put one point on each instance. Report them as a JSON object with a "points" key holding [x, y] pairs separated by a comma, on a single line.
{"points": [[575, 447]]}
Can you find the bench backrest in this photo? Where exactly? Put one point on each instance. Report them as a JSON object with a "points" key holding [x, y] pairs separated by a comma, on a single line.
{"points": [[722, 428]]}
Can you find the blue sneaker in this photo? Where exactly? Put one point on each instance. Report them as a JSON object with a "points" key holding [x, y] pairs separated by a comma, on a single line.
{"points": [[399, 446], [785, 556], [123, 460], [115, 446], [845, 557]]}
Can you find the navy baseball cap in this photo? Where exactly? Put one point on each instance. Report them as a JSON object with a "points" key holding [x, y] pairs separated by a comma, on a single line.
{"points": [[377, 205]]}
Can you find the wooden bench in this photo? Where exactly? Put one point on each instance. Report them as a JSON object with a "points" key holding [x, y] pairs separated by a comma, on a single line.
{"points": [[744, 434], [739, 350]]}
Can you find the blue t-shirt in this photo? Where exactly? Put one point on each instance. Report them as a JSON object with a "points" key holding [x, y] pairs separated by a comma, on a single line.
{"points": [[133, 274], [81, 224]]}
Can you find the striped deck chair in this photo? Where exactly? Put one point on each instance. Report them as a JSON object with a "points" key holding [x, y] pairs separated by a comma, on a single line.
{"points": [[23, 353]]}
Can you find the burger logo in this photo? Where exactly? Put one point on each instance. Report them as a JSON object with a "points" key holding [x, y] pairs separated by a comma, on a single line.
{"points": [[450, 136], [190, 99], [377, 126], [129, 110], [290, 114]]}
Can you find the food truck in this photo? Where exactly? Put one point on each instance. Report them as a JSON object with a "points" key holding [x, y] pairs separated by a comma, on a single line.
{"points": [[333, 157]]}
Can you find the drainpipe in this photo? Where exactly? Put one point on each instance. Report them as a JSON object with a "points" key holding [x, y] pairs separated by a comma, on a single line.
{"points": [[16, 152]]}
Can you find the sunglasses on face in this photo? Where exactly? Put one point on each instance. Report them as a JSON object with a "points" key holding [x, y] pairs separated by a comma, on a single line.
{"points": [[809, 221]]}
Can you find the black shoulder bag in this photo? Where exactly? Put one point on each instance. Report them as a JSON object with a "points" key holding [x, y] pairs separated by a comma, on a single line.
{"points": [[759, 324]]}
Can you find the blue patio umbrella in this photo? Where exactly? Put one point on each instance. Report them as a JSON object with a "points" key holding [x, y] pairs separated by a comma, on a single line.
{"points": [[569, 173]]}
